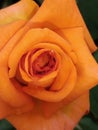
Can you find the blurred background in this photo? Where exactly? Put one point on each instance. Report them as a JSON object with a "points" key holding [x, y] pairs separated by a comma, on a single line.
{"points": [[89, 11]]}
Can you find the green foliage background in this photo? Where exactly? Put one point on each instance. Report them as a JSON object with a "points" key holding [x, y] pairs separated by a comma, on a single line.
{"points": [[89, 10]]}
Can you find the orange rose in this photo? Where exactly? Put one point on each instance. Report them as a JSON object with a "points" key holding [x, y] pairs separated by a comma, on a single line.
{"points": [[46, 65]]}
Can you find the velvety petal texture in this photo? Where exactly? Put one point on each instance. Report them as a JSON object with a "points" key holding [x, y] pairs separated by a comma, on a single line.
{"points": [[50, 37], [67, 16], [6, 25], [6, 109], [24, 9], [46, 65], [64, 119]]}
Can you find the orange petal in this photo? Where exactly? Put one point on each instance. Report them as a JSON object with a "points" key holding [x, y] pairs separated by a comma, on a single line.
{"points": [[8, 30], [42, 81], [57, 14], [79, 107], [79, 104], [6, 109], [53, 96], [23, 9], [61, 120], [87, 67], [7, 88], [75, 110], [39, 36], [10, 91]]}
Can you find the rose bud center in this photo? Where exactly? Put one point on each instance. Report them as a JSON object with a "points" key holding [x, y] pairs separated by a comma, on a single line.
{"points": [[37, 64]]}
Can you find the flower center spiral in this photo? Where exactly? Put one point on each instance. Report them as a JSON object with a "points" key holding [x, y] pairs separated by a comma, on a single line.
{"points": [[44, 63], [36, 64]]}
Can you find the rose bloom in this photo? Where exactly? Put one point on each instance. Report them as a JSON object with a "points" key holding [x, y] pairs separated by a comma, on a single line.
{"points": [[46, 65]]}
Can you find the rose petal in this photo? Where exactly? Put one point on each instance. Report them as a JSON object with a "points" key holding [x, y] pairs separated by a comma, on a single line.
{"points": [[6, 109], [79, 107], [29, 42], [23, 9], [57, 14], [12, 28], [75, 109], [7, 88], [53, 96], [35, 79], [10, 91], [57, 91], [39, 36], [87, 67], [65, 119]]}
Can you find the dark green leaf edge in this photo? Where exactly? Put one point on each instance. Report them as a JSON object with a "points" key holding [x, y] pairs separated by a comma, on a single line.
{"points": [[5, 125], [5, 3], [95, 54]]}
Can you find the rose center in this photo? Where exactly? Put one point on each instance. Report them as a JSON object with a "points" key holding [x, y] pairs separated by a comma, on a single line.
{"points": [[44, 63], [36, 64]]}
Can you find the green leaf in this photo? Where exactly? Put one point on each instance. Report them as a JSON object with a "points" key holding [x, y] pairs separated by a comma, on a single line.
{"points": [[95, 54], [78, 127], [86, 123], [5, 3], [39, 2], [94, 101], [89, 11], [5, 125], [94, 94]]}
